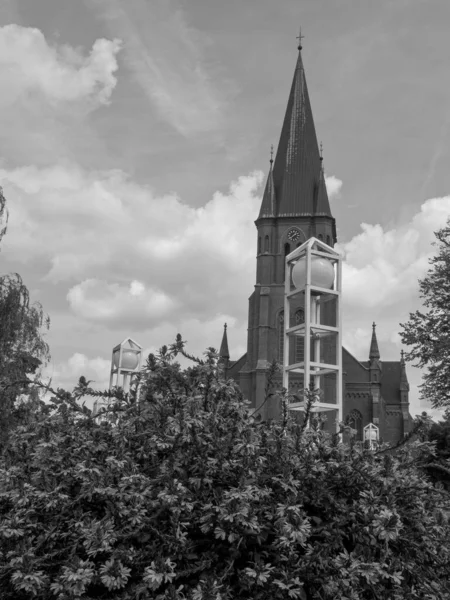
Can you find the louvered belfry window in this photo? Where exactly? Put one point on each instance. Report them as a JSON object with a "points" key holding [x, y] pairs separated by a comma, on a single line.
{"points": [[299, 344], [280, 336]]}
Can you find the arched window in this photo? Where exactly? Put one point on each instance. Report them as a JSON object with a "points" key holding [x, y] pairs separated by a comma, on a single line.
{"points": [[266, 244], [299, 341], [280, 336], [328, 240], [259, 244], [320, 236], [354, 420]]}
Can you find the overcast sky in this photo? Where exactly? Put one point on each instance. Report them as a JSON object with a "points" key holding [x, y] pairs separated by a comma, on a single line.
{"points": [[134, 146]]}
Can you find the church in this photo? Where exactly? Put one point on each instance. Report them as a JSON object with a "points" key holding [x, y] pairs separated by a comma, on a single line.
{"points": [[294, 208]]}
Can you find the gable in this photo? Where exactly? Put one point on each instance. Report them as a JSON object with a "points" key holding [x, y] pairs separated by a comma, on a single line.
{"points": [[355, 371], [235, 366]]}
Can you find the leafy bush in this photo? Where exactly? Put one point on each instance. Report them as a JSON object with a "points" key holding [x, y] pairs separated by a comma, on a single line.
{"points": [[177, 492]]}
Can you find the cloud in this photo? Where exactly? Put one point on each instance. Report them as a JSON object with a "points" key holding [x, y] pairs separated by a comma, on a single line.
{"points": [[99, 301], [381, 268], [76, 224], [333, 185], [49, 93], [57, 74], [65, 374], [166, 57]]}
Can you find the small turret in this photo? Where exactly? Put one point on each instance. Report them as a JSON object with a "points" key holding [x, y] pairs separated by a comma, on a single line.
{"points": [[404, 384], [224, 353], [374, 358], [374, 353], [268, 205]]}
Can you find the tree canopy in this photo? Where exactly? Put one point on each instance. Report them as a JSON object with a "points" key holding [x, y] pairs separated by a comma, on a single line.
{"points": [[22, 346], [428, 333], [176, 491]]}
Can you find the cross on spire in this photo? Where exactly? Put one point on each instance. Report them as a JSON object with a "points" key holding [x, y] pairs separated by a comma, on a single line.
{"points": [[299, 38]]}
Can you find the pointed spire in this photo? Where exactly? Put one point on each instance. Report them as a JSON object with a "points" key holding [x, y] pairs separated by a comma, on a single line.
{"points": [[404, 384], [268, 201], [374, 351], [321, 205], [224, 352], [297, 166]]}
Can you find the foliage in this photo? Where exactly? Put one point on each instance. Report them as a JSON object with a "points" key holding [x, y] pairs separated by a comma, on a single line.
{"points": [[440, 433], [175, 491], [429, 332], [439, 467], [22, 347], [3, 214]]}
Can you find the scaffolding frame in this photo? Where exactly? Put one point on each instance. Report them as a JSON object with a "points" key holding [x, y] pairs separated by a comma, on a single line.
{"points": [[129, 346], [312, 330]]}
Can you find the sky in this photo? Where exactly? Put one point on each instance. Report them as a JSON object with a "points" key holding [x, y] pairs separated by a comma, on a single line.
{"points": [[134, 147]]}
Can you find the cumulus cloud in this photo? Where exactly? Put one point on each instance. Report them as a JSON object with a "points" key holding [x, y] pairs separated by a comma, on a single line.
{"points": [[81, 223], [57, 74], [65, 374], [101, 301], [166, 57], [333, 185], [381, 268]]}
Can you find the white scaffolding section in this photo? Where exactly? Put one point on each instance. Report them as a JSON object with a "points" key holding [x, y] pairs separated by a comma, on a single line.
{"points": [[125, 362], [307, 268]]}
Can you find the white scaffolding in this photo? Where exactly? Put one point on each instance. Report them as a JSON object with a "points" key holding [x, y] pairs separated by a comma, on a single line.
{"points": [[313, 331], [125, 362]]}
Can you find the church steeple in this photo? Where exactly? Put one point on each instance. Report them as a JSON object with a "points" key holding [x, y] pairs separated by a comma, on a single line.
{"points": [[297, 171], [294, 208]]}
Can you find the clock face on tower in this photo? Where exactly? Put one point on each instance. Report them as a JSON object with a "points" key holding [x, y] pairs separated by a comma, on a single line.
{"points": [[293, 235]]}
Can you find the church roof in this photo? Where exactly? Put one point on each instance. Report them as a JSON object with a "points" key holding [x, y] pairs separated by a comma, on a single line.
{"points": [[297, 173]]}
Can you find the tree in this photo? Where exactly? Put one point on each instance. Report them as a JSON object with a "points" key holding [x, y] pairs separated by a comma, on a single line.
{"points": [[429, 332], [440, 433], [177, 492], [22, 346]]}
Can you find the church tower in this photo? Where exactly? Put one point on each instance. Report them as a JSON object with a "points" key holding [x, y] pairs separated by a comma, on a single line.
{"points": [[294, 208]]}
